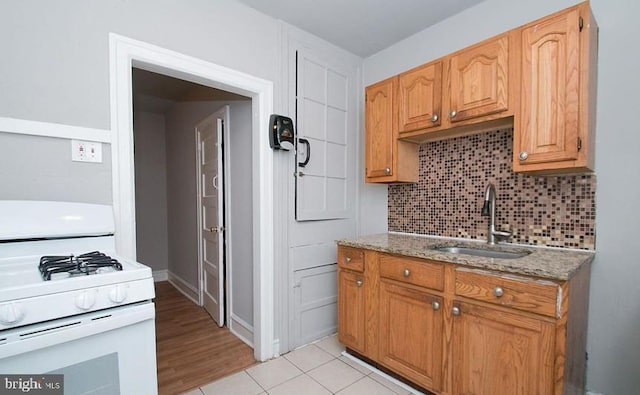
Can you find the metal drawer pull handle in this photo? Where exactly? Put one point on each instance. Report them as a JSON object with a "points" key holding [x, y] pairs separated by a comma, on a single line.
{"points": [[455, 311], [306, 161], [359, 283], [435, 305], [347, 259], [498, 291], [406, 273]]}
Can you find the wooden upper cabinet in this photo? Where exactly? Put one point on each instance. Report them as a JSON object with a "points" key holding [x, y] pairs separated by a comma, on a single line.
{"points": [[387, 159], [420, 97], [479, 80], [500, 353], [555, 125], [539, 79], [380, 127]]}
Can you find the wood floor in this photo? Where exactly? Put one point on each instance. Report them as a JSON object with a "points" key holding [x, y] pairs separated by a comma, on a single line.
{"points": [[191, 350]]}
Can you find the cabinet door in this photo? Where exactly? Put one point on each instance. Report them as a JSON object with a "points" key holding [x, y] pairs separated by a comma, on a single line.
{"points": [[420, 97], [478, 80], [380, 128], [548, 127], [351, 310], [410, 336], [501, 353]]}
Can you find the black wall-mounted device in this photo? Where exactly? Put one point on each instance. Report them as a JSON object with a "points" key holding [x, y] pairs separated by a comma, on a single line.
{"points": [[281, 133]]}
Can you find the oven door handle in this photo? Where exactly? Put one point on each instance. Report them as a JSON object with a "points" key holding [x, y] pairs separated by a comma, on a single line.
{"points": [[37, 336]]}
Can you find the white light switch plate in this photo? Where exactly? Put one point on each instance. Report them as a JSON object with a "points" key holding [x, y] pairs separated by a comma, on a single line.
{"points": [[86, 151]]}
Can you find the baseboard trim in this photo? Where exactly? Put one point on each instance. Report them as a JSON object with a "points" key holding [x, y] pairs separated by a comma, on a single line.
{"points": [[371, 365], [241, 329], [184, 287], [160, 275]]}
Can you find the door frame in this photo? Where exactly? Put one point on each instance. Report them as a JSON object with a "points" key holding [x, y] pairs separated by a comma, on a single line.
{"points": [[224, 110], [125, 53]]}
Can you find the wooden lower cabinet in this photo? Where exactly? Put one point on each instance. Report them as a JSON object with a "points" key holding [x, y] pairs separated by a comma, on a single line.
{"points": [[495, 352], [410, 337], [454, 330], [351, 310]]}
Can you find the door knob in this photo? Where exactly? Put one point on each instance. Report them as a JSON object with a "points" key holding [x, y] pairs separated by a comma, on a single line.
{"points": [[455, 311], [406, 273], [453, 113], [435, 305], [523, 155], [498, 291], [434, 118], [214, 229], [359, 283]]}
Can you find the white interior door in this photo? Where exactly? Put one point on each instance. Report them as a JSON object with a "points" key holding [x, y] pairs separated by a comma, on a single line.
{"points": [[211, 204], [324, 120]]}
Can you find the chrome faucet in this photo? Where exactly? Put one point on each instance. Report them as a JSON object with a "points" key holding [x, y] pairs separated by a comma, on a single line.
{"points": [[489, 209]]}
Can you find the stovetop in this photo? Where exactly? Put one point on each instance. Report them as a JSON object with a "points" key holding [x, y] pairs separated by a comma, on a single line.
{"points": [[94, 262], [21, 277]]}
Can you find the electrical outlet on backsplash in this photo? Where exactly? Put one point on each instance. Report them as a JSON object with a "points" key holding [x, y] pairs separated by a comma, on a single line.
{"points": [[552, 211]]}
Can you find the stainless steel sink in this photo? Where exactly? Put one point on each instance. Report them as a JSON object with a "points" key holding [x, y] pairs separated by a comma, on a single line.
{"points": [[484, 252]]}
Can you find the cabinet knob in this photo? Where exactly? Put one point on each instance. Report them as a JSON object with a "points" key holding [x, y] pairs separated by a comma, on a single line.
{"points": [[359, 283], [387, 171], [434, 118], [453, 113], [435, 305], [498, 291], [523, 155], [406, 273], [455, 310], [347, 259]]}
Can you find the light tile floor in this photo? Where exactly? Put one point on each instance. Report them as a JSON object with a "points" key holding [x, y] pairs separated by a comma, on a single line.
{"points": [[315, 369]]}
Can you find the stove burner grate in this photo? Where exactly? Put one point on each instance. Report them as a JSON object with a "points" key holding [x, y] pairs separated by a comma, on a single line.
{"points": [[86, 264]]}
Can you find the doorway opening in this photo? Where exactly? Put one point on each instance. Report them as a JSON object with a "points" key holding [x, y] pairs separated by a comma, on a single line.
{"points": [[194, 212], [126, 54]]}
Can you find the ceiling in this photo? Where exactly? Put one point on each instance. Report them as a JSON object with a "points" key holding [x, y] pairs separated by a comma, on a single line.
{"points": [[157, 93], [362, 27]]}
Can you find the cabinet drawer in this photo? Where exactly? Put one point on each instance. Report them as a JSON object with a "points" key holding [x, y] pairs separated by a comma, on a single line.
{"points": [[413, 271], [536, 296], [351, 258]]}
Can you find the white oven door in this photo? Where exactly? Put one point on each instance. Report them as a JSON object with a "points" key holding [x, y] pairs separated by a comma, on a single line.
{"points": [[104, 352]]}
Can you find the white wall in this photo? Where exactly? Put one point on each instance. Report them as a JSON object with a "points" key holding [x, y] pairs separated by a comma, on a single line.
{"points": [[40, 168], [151, 190], [55, 55], [241, 209], [614, 316]]}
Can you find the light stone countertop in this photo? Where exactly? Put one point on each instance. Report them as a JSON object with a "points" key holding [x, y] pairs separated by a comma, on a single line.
{"points": [[549, 263]]}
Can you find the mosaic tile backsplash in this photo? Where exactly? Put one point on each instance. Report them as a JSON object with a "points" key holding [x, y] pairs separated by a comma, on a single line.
{"points": [[553, 211]]}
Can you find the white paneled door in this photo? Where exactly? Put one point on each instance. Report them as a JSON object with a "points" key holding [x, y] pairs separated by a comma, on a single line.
{"points": [[324, 121], [211, 200]]}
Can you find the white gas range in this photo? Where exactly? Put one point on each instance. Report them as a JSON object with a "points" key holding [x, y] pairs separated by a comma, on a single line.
{"points": [[69, 304]]}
